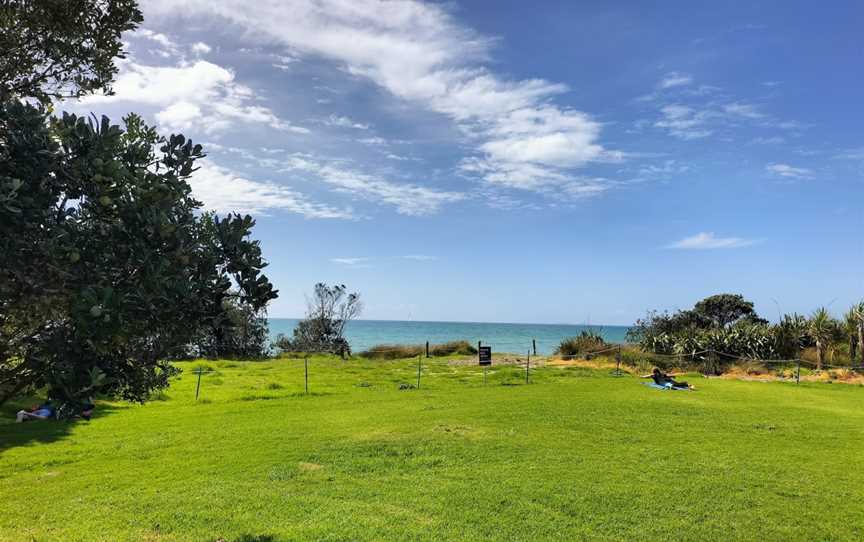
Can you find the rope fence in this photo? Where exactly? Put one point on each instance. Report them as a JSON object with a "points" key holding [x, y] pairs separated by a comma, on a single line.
{"points": [[424, 351]]}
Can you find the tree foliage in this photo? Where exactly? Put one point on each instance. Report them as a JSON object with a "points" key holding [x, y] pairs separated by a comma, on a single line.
{"points": [[51, 49], [106, 266], [240, 332], [723, 310], [323, 329]]}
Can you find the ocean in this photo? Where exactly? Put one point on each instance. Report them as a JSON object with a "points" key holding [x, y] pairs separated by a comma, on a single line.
{"points": [[514, 338]]}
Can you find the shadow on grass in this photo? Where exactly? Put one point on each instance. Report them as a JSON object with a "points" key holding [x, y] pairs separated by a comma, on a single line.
{"points": [[14, 434]]}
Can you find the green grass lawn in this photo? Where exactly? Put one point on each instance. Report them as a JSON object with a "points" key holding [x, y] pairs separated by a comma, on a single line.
{"points": [[577, 454]]}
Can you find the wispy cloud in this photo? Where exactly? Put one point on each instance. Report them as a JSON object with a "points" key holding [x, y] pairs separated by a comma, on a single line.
{"points": [[789, 172], [366, 261], [746, 110], [684, 122], [707, 240], [223, 190], [192, 96], [773, 140], [345, 122], [674, 79], [409, 199], [166, 45], [851, 154], [352, 262]]}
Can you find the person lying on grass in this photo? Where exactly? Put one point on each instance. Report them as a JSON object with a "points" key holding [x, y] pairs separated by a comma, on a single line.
{"points": [[662, 379], [45, 411]]}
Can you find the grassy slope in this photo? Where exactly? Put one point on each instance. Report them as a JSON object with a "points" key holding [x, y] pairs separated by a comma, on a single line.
{"points": [[577, 454]]}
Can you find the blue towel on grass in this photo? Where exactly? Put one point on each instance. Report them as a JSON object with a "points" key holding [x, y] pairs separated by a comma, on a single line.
{"points": [[659, 387]]}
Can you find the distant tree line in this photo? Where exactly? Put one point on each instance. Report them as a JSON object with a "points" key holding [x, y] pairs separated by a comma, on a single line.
{"points": [[728, 324]]}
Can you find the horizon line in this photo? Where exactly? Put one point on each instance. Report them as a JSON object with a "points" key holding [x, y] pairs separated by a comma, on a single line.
{"points": [[466, 322]]}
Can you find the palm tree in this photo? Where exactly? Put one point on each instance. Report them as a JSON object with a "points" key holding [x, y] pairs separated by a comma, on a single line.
{"points": [[820, 329]]}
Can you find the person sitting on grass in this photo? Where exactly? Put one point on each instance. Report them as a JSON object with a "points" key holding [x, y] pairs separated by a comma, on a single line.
{"points": [[662, 379], [45, 411], [87, 411]]}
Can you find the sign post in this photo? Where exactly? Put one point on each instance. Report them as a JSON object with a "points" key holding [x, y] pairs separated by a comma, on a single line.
{"points": [[484, 355], [484, 358], [198, 386]]}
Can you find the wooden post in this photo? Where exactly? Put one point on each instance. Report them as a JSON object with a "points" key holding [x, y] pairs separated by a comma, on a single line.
{"points": [[618, 361], [419, 362], [306, 371], [198, 386], [527, 367], [484, 375], [798, 372], [534, 345], [427, 349], [478, 351]]}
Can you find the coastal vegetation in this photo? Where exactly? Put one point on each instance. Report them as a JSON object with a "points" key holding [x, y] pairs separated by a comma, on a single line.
{"points": [[401, 351], [328, 311], [585, 343], [724, 329]]}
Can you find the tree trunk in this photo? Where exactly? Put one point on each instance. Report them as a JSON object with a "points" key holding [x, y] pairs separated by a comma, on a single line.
{"points": [[861, 341], [819, 355]]}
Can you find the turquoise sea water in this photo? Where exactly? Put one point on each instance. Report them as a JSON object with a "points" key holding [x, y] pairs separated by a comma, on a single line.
{"points": [[515, 338]]}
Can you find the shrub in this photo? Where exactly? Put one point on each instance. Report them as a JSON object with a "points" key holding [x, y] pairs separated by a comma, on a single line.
{"points": [[586, 342], [400, 351], [461, 348]]}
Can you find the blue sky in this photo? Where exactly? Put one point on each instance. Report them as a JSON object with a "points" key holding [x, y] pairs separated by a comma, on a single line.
{"points": [[522, 162]]}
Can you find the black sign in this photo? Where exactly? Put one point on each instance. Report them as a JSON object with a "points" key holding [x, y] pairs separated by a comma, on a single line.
{"points": [[484, 354]]}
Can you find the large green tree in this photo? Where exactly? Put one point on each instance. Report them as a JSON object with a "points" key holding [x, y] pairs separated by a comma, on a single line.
{"points": [[722, 310], [107, 265]]}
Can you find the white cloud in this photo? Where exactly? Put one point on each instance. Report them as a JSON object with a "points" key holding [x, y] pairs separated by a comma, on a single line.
{"points": [[352, 262], [283, 62], [773, 140], [201, 48], [417, 52], [373, 141], [707, 240], [743, 110], [224, 191], [200, 96], [345, 122], [168, 47], [851, 154], [674, 79], [408, 199], [366, 261], [791, 172], [684, 122]]}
